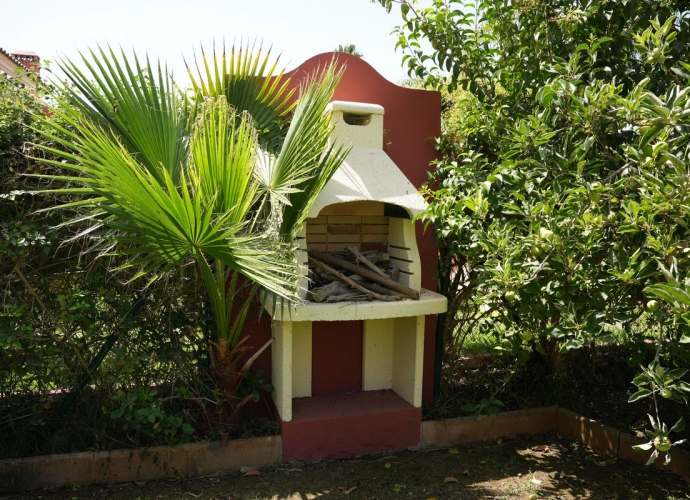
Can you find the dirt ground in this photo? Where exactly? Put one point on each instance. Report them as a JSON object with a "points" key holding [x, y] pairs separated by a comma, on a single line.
{"points": [[534, 468]]}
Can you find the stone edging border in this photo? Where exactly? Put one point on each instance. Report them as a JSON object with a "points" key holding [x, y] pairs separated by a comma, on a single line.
{"points": [[199, 459], [138, 464], [603, 439]]}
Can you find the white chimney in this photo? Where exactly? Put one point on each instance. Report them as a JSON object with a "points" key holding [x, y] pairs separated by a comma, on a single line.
{"points": [[368, 173]]}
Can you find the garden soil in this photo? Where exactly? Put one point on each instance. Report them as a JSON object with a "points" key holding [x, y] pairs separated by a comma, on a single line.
{"points": [[518, 468]]}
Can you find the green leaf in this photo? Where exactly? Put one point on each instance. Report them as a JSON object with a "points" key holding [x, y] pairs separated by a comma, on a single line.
{"points": [[678, 426], [571, 344], [682, 72], [643, 447], [556, 332], [652, 457], [642, 393], [652, 133]]}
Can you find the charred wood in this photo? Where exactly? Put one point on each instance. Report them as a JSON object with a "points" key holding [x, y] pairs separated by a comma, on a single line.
{"points": [[326, 260]]}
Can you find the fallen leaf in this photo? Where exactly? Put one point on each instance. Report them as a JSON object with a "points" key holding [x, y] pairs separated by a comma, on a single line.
{"points": [[354, 461], [533, 496], [140, 483], [350, 490], [499, 441], [194, 495], [466, 472], [450, 479], [610, 460], [563, 448], [519, 474], [388, 465], [561, 474], [536, 481], [432, 498], [601, 463], [252, 472], [453, 451], [342, 488], [542, 448]]}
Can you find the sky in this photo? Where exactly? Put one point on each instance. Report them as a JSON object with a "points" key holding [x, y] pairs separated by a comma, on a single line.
{"points": [[296, 29]]}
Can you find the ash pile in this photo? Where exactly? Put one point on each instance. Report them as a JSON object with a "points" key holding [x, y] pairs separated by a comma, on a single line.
{"points": [[354, 276]]}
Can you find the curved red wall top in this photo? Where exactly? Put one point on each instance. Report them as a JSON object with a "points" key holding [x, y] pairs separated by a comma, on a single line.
{"points": [[412, 117]]}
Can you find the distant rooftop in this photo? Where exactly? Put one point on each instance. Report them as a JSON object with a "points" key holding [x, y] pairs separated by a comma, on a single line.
{"points": [[25, 53], [17, 63], [9, 56]]}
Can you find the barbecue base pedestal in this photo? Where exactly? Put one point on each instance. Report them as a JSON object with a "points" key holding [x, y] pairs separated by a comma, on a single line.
{"points": [[385, 414], [349, 424]]}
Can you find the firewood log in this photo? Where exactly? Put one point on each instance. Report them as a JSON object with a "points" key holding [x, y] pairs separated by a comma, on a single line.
{"points": [[323, 292], [349, 297], [361, 258], [353, 283], [324, 258]]}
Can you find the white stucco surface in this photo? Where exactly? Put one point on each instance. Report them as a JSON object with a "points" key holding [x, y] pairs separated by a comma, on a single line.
{"points": [[367, 173], [429, 303]]}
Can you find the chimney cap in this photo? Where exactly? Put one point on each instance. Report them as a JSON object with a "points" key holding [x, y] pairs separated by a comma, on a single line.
{"points": [[355, 107]]}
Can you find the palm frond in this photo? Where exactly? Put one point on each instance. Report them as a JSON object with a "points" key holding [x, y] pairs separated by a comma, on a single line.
{"points": [[306, 161], [250, 81], [223, 150], [141, 107], [172, 180]]}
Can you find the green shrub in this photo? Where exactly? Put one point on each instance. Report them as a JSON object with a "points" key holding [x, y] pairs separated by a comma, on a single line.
{"points": [[562, 188]]}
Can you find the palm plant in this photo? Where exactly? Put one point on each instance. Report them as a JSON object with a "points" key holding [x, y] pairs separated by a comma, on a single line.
{"points": [[350, 48], [222, 177]]}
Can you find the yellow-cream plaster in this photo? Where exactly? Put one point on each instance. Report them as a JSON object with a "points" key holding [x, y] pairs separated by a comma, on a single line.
{"points": [[377, 354], [408, 359], [301, 359], [281, 351]]}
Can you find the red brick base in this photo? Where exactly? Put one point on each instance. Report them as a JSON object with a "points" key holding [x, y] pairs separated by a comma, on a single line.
{"points": [[351, 424]]}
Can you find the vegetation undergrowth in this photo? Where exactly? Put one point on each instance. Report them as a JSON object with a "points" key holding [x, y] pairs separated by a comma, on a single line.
{"points": [[137, 223]]}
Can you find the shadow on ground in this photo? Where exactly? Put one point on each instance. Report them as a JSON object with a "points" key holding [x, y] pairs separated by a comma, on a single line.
{"points": [[534, 468]]}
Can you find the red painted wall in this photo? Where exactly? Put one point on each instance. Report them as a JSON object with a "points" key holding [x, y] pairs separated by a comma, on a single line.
{"points": [[412, 119], [336, 356]]}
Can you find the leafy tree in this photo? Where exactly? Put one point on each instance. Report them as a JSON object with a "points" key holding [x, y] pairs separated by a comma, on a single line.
{"points": [[563, 177], [349, 49]]}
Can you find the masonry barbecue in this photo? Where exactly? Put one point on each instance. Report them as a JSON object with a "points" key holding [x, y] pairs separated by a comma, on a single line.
{"points": [[359, 240]]}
